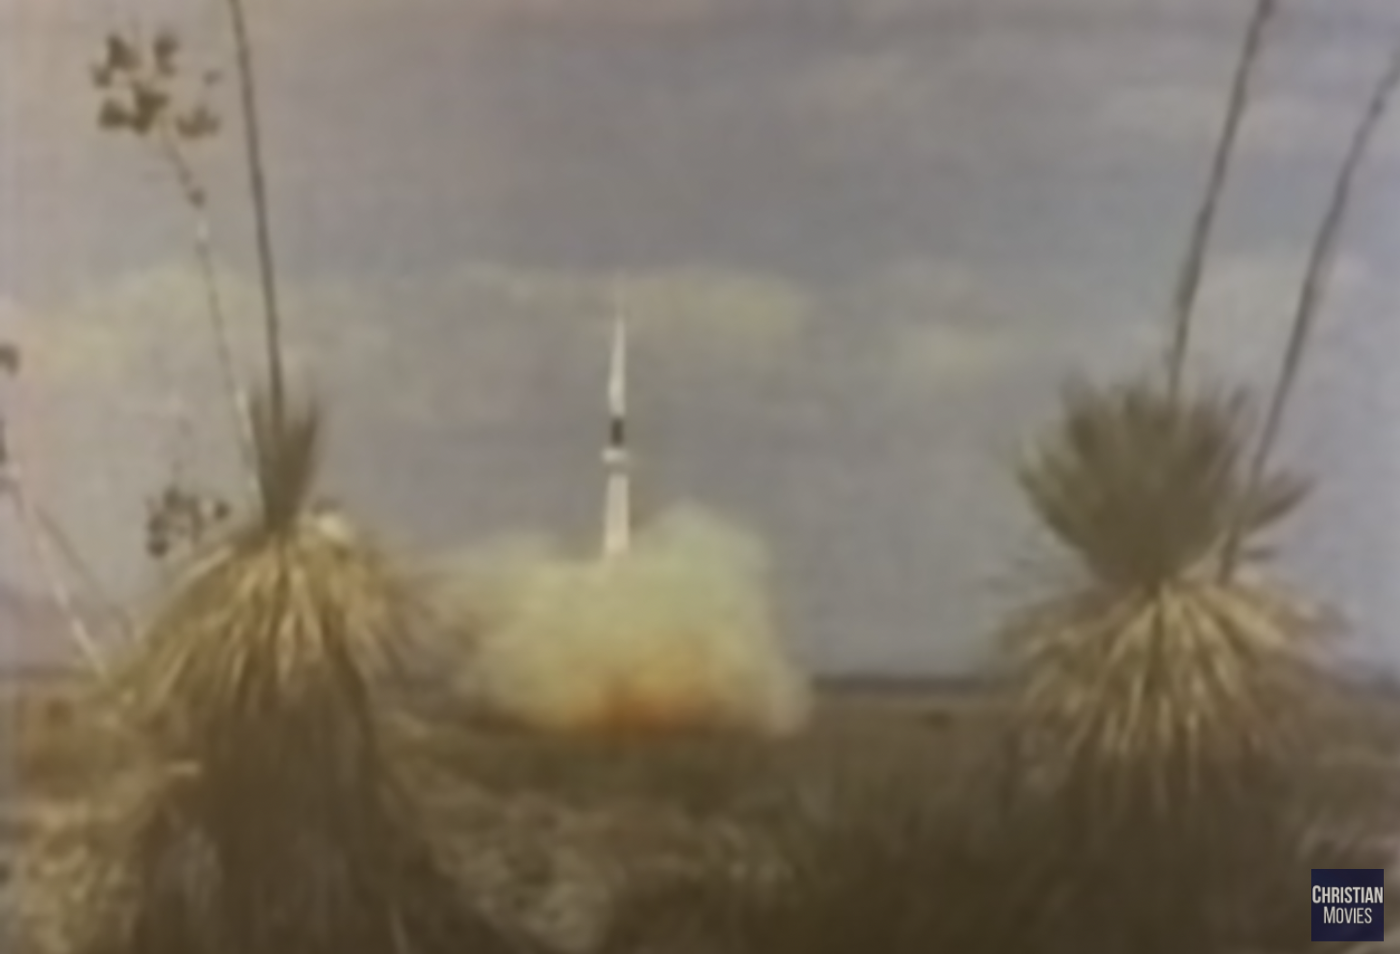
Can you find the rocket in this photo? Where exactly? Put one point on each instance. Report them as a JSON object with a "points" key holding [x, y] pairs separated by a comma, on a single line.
{"points": [[617, 460]]}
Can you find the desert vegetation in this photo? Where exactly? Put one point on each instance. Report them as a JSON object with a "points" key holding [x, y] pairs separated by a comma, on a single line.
{"points": [[1162, 755]]}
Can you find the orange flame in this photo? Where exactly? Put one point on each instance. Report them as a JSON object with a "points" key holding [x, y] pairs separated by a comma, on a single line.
{"points": [[631, 710], [639, 707]]}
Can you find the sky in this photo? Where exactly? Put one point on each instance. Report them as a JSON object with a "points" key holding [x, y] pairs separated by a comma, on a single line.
{"points": [[863, 243]]}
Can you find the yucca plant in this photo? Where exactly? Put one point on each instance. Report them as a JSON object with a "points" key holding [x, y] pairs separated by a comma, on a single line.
{"points": [[1167, 711], [1151, 659], [1165, 722], [265, 811], [269, 814]]}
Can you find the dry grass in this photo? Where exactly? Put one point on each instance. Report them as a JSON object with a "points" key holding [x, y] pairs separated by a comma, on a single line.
{"points": [[56, 746], [891, 857], [515, 814], [866, 833], [700, 772]]}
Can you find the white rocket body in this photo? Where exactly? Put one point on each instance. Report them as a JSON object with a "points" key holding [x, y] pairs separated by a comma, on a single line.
{"points": [[617, 462]]}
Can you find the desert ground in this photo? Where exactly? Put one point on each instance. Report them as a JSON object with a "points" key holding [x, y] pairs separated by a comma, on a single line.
{"points": [[549, 829], [546, 823]]}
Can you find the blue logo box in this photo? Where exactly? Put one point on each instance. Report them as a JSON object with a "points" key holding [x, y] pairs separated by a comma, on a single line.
{"points": [[1348, 904]]}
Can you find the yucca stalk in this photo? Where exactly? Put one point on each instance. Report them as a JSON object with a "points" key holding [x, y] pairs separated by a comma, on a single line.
{"points": [[140, 96], [1320, 262], [270, 816], [42, 533], [13, 485], [1189, 278], [262, 218]]}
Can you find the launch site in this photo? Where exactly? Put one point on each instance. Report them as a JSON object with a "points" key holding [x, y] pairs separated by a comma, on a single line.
{"points": [[698, 476]]}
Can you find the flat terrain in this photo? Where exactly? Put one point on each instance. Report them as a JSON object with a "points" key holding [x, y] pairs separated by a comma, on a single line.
{"points": [[543, 825]]}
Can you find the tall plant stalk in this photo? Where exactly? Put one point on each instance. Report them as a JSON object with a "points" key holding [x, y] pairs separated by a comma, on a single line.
{"points": [[1319, 270], [41, 532], [1189, 279], [257, 182], [234, 389], [139, 80], [44, 558], [81, 569]]}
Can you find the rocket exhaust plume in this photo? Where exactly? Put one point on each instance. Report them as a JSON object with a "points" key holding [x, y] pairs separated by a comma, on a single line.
{"points": [[674, 633], [667, 630]]}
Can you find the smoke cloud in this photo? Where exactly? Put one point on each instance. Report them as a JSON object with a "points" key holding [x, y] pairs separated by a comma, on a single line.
{"points": [[675, 634]]}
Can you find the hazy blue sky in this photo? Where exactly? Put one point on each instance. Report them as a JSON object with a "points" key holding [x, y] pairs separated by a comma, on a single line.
{"points": [[864, 238]]}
